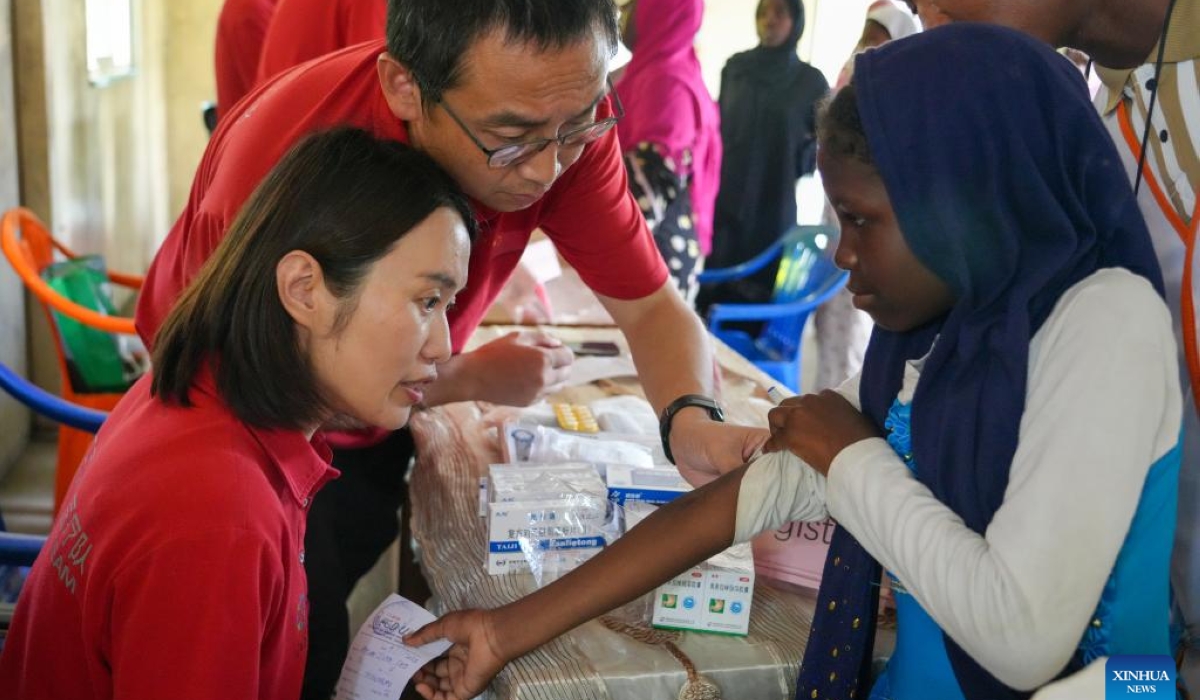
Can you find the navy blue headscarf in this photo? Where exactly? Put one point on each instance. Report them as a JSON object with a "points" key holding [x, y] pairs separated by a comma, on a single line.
{"points": [[1005, 185]]}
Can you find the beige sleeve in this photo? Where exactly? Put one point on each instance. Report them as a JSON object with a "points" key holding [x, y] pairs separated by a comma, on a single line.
{"points": [[778, 488], [781, 488]]}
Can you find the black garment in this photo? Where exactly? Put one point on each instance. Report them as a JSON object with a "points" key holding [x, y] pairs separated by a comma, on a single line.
{"points": [[666, 202], [352, 521], [768, 128]]}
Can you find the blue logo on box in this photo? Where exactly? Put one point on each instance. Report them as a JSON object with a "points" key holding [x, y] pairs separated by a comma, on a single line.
{"points": [[1127, 676], [735, 608], [689, 603]]}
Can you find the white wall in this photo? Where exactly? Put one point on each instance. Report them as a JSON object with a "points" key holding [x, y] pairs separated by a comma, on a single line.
{"points": [[189, 81], [14, 419]]}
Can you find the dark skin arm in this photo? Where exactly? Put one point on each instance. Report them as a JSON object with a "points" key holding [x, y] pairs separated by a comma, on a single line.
{"points": [[485, 640], [816, 427]]}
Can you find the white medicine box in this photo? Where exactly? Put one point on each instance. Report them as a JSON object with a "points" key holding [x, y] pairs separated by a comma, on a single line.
{"points": [[715, 596]]}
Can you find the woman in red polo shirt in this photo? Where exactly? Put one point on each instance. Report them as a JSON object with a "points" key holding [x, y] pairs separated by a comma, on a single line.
{"points": [[175, 568]]}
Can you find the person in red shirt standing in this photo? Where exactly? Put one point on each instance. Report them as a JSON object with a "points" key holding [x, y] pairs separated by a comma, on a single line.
{"points": [[511, 99], [175, 569], [241, 27], [301, 30]]}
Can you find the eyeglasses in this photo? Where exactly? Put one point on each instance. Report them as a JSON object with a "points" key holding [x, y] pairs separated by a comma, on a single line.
{"points": [[515, 153]]}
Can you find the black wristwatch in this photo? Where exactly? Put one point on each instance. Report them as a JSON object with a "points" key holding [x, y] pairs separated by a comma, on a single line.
{"points": [[668, 414]]}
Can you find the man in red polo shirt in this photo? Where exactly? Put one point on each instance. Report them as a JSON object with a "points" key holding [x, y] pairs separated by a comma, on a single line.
{"points": [[240, 31], [301, 30], [513, 104]]}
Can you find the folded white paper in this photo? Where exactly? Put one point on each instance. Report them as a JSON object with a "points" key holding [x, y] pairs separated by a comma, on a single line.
{"points": [[380, 664]]}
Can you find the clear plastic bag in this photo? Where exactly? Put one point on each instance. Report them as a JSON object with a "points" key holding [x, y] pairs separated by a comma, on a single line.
{"points": [[535, 443], [626, 414], [581, 531]]}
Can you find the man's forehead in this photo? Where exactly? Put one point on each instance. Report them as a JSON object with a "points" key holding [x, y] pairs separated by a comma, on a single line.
{"points": [[502, 42], [496, 63]]}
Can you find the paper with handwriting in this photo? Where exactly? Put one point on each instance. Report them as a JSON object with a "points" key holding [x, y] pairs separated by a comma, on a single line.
{"points": [[380, 664]]}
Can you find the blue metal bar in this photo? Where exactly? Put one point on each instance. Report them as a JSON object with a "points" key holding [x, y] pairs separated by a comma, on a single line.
{"points": [[19, 550], [49, 405]]}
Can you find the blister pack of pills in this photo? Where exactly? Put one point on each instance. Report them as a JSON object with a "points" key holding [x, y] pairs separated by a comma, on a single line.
{"points": [[575, 417]]}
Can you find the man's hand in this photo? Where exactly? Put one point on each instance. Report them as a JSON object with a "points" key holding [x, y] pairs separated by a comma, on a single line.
{"points": [[514, 370], [469, 665], [816, 427], [521, 367], [704, 449]]}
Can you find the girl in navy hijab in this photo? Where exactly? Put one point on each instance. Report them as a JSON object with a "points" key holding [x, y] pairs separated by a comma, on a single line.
{"points": [[1009, 454], [1023, 493]]}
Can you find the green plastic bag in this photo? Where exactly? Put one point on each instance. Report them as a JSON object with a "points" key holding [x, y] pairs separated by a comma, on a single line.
{"points": [[96, 361]]}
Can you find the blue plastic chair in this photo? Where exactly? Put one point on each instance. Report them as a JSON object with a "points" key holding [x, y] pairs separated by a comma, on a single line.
{"points": [[806, 279]]}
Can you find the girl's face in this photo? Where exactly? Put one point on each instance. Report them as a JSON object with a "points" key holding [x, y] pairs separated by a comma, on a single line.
{"points": [[774, 23], [886, 279], [375, 352]]}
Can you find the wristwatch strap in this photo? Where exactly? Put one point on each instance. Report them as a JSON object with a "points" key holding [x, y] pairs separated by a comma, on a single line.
{"points": [[668, 414]]}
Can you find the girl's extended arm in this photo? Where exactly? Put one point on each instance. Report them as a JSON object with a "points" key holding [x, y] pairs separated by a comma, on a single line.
{"points": [[675, 537]]}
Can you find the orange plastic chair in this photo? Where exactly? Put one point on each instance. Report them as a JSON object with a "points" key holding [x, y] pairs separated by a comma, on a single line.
{"points": [[29, 248]]}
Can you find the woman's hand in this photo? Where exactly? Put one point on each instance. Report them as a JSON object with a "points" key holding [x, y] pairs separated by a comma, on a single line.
{"points": [[469, 665], [816, 427]]}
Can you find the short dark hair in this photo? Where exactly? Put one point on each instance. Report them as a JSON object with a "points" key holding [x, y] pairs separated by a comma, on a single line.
{"points": [[430, 37], [342, 196], [840, 131]]}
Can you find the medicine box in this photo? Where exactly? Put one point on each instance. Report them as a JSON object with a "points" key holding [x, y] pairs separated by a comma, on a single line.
{"points": [[711, 597], [557, 526], [556, 510], [715, 596], [657, 485], [529, 482]]}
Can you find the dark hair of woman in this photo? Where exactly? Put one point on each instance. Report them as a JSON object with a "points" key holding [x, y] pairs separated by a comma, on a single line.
{"points": [[342, 196]]}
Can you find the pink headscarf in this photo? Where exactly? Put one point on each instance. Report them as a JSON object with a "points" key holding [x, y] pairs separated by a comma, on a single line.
{"points": [[667, 103]]}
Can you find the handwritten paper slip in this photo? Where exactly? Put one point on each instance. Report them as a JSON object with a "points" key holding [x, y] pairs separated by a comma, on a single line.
{"points": [[379, 664]]}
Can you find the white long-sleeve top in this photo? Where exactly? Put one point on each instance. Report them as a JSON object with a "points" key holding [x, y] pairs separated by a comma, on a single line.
{"points": [[1102, 405]]}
